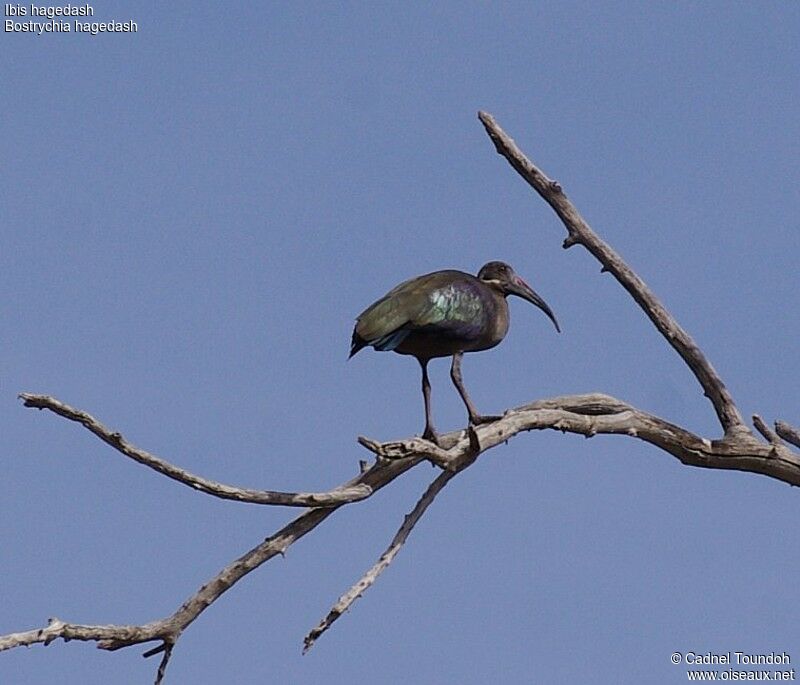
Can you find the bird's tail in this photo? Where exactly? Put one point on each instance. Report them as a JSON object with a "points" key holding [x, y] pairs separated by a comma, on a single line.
{"points": [[356, 344], [386, 343]]}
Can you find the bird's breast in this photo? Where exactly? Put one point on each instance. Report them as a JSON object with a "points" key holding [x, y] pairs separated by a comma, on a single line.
{"points": [[495, 324]]}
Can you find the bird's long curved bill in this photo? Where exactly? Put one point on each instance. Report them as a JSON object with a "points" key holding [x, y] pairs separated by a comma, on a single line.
{"points": [[523, 290]]}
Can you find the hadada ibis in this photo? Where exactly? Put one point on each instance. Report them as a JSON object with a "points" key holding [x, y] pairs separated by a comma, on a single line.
{"points": [[441, 314]]}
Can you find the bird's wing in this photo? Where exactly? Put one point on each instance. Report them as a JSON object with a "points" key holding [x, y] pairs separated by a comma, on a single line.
{"points": [[451, 308], [439, 302]]}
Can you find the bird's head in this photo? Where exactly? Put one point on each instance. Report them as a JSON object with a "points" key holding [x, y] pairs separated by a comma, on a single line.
{"points": [[501, 277]]}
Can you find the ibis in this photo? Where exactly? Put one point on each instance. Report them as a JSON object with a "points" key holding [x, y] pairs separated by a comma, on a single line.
{"points": [[443, 314]]}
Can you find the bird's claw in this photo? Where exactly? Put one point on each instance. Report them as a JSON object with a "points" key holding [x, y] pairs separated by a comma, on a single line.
{"points": [[432, 436]]}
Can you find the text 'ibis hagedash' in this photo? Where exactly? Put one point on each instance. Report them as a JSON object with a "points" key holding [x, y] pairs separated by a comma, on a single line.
{"points": [[441, 314]]}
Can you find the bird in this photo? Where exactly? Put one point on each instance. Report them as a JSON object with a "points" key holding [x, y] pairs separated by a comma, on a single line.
{"points": [[441, 314]]}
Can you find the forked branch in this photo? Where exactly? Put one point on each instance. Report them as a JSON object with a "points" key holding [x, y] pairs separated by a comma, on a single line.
{"points": [[589, 415], [169, 629]]}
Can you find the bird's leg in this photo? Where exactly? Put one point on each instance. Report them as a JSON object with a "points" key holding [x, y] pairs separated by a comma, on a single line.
{"points": [[455, 373], [430, 431]]}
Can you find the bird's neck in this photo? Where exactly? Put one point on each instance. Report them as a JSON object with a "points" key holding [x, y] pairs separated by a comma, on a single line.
{"points": [[501, 319]]}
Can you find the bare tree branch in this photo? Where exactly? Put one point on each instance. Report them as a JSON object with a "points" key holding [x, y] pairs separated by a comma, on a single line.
{"points": [[162, 666], [452, 467], [340, 495], [367, 580], [765, 430], [589, 415], [579, 232], [596, 414], [788, 432], [417, 446], [169, 629]]}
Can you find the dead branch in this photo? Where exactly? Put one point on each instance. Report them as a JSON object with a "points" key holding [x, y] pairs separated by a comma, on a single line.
{"points": [[588, 415], [340, 495], [579, 232], [788, 432], [369, 578], [169, 629], [769, 434], [598, 414]]}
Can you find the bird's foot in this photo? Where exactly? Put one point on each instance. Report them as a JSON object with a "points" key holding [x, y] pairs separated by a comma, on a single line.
{"points": [[432, 435], [478, 419]]}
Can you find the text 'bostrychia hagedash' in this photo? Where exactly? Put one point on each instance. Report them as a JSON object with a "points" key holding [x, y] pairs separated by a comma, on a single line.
{"points": [[441, 314]]}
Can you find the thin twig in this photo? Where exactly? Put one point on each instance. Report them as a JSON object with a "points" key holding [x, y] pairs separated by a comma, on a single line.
{"points": [[788, 432], [578, 231], [367, 580], [340, 495], [162, 667], [769, 434]]}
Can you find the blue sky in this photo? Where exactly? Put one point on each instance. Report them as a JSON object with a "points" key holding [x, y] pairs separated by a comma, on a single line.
{"points": [[193, 215]]}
